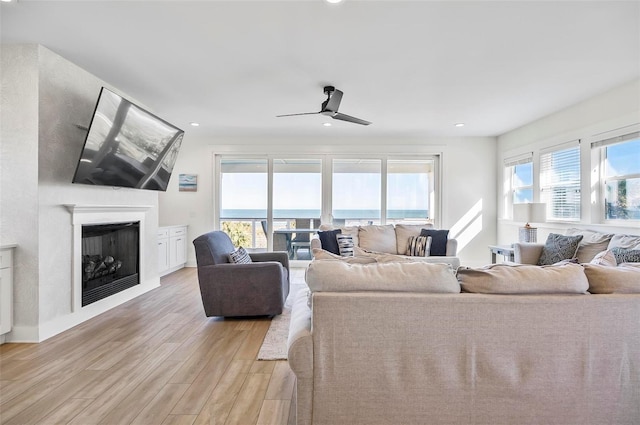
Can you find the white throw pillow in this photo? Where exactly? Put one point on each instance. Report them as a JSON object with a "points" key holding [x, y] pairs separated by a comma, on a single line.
{"points": [[378, 238], [604, 258]]}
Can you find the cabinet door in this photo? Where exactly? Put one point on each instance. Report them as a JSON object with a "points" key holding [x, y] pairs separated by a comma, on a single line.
{"points": [[178, 251], [6, 300], [163, 255]]}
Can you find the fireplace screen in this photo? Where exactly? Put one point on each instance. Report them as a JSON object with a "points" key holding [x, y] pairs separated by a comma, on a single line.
{"points": [[110, 259]]}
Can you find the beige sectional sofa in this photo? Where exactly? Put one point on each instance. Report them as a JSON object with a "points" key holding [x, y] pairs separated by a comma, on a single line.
{"points": [[592, 243], [389, 239], [399, 343]]}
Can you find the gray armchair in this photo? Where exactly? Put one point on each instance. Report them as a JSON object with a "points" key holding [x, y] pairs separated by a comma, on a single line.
{"points": [[259, 288]]}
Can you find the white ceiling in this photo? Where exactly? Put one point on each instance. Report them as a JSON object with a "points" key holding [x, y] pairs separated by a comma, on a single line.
{"points": [[413, 68]]}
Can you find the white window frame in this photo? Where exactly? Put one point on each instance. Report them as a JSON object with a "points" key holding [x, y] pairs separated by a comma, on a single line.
{"points": [[508, 186], [598, 149], [547, 183]]}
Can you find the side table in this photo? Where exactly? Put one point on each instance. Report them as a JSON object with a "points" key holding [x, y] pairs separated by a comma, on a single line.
{"points": [[506, 251]]}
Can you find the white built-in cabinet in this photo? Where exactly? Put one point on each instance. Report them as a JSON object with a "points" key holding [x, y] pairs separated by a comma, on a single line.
{"points": [[6, 290], [172, 248]]}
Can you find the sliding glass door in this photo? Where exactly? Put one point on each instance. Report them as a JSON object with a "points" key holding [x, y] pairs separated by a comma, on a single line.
{"points": [[277, 202]]}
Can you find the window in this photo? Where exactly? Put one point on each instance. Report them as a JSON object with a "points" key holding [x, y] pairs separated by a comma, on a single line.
{"points": [[243, 200], [560, 182], [620, 176], [518, 176], [357, 191], [262, 200], [410, 187]]}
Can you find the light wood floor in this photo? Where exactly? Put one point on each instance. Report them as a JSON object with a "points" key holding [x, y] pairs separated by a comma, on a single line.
{"points": [[154, 360]]}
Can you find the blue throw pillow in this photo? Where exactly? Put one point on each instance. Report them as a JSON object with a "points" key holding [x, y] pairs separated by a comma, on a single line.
{"points": [[329, 242], [438, 241]]}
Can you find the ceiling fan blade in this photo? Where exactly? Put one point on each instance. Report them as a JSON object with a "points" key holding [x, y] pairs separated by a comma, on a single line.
{"points": [[293, 115], [345, 117], [334, 101]]}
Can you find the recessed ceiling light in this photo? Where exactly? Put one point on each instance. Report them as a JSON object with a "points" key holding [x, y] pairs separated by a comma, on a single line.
{"points": [[333, 1], [6, 1], [459, 124], [327, 124], [194, 124]]}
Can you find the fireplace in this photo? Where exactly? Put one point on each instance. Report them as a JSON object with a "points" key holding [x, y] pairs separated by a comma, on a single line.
{"points": [[110, 259]]}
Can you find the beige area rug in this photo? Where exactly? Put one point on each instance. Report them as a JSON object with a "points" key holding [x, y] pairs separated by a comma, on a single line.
{"points": [[274, 346]]}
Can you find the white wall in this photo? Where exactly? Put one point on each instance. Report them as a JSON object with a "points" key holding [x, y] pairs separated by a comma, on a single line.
{"points": [[589, 121], [468, 189], [61, 98]]}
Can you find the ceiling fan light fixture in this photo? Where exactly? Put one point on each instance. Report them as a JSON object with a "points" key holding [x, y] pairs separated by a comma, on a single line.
{"points": [[326, 124]]}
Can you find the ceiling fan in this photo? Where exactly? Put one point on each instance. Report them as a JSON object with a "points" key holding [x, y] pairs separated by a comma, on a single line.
{"points": [[330, 108]]}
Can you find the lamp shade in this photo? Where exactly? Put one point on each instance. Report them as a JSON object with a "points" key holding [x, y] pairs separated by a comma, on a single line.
{"points": [[535, 212]]}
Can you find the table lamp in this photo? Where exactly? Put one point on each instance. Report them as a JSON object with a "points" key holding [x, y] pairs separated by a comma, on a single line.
{"points": [[530, 212]]}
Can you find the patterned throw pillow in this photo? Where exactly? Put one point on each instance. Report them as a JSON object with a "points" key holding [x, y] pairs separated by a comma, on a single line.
{"points": [[418, 246], [559, 247], [345, 245], [438, 241], [626, 255], [240, 256]]}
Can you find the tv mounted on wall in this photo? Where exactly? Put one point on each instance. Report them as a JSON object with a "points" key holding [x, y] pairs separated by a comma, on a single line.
{"points": [[127, 146]]}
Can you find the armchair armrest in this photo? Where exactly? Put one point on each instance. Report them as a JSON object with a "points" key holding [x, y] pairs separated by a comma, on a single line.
{"points": [[527, 253], [281, 257]]}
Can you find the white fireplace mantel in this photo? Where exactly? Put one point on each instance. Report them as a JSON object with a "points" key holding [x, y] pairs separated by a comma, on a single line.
{"points": [[82, 214]]}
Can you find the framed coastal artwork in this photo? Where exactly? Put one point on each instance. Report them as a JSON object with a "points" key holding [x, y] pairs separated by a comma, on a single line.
{"points": [[188, 183]]}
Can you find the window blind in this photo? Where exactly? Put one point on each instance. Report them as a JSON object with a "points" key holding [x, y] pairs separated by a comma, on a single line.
{"points": [[560, 182], [519, 159], [614, 140]]}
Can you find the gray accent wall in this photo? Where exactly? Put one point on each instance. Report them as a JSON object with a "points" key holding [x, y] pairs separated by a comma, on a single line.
{"points": [[46, 105]]}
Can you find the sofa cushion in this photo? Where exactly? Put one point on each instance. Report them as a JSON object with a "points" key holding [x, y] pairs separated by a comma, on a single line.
{"points": [[591, 244], [328, 240], [404, 231], [321, 254], [338, 276], [345, 245], [438, 241], [605, 258], [625, 241], [613, 280], [623, 255], [418, 246], [566, 278], [559, 247], [378, 238], [239, 256]]}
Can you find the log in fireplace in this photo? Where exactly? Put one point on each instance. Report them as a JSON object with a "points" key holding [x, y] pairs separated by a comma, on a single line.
{"points": [[110, 259]]}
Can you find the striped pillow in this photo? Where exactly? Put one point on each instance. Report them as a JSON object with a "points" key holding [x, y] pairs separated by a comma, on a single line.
{"points": [[240, 256], [345, 244], [419, 246]]}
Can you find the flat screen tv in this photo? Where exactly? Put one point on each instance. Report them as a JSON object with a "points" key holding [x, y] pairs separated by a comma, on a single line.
{"points": [[127, 146]]}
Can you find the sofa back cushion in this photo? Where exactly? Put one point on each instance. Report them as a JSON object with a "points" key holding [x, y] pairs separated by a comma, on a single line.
{"points": [[404, 232], [338, 276], [625, 241], [624, 279], [565, 278], [378, 238], [591, 244]]}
